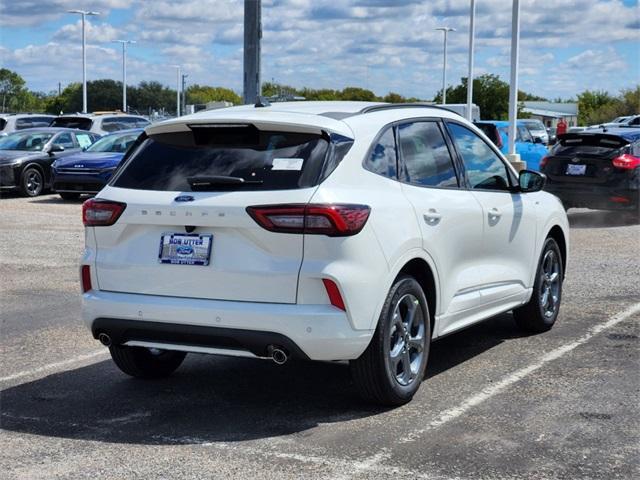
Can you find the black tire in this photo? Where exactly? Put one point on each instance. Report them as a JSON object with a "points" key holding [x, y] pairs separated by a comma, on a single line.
{"points": [[539, 315], [31, 182], [142, 362], [69, 195], [373, 372]]}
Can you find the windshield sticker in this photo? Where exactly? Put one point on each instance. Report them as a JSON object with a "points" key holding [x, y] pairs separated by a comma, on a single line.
{"points": [[287, 164], [83, 140]]}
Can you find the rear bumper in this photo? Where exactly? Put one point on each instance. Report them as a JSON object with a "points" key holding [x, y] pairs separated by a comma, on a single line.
{"points": [[317, 332], [596, 197], [79, 183]]}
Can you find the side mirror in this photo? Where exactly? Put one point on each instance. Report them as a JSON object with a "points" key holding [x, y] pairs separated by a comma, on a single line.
{"points": [[537, 140], [530, 181], [56, 147]]}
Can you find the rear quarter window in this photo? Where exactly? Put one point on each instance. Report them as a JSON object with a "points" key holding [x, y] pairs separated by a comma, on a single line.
{"points": [[265, 160]]}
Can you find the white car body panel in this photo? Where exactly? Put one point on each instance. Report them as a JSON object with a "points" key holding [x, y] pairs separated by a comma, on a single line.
{"points": [[264, 281]]}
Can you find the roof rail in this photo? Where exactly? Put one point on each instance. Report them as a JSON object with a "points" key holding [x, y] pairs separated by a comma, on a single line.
{"points": [[390, 106]]}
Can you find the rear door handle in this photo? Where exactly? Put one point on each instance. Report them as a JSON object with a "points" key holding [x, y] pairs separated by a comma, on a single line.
{"points": [[432, 217], [495, 213]]}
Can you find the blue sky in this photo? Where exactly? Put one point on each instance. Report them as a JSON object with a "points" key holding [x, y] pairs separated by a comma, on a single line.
{"points": [[567, 46]]}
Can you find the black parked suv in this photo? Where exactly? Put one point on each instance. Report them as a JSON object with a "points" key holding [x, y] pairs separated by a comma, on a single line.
{"points": [[596, 169]]}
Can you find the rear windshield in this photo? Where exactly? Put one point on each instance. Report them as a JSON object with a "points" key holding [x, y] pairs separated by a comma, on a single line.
{"points": [[597, 145], [264, 160], [72, 122]]}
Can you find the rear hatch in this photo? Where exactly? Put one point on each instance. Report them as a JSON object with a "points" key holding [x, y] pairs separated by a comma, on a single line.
{"points": [[82, 123], [199, 182], [584, 158]]}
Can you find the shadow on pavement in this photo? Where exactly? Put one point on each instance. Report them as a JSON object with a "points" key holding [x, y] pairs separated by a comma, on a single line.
{"points": [[211, 398], [602, 218], [53, 199]]}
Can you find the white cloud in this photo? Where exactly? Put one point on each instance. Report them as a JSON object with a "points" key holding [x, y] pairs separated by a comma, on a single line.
{"points": [[385, 44]]}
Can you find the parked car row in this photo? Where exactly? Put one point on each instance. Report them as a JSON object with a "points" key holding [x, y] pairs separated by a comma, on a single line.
{"points": [[97, 122], [69, 160]]}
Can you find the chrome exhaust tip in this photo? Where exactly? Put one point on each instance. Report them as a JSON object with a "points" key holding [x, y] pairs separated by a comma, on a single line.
{"points": [[278, 355], [104, 339]]}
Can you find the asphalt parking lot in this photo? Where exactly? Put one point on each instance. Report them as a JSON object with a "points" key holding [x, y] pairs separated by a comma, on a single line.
{"points": [[496, 403]]}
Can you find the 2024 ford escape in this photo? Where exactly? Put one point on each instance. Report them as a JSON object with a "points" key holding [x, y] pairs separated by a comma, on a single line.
{"points": [[316, 230]]}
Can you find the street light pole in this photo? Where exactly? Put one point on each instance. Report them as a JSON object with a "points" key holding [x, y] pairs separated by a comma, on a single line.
{"points": [[84, 13], [184, 93], [472, 32], [513, 83], [124, 71], [446, 30], [177, 90], [252, 38]]}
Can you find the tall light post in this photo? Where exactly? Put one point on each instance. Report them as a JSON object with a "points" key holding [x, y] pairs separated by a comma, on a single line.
{"points": [[84, 13], [472, 32], [513, 83], [177, 90], [252, 39], [124, 71], [446, 30]]}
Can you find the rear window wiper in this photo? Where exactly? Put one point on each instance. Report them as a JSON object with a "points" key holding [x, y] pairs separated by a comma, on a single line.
{"points": [[213, 182]]}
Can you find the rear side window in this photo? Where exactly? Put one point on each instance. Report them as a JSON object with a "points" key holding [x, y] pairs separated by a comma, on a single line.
{"points": [[383, 159], [115, 124], [264, 160], [426, 160], [82, 123]]}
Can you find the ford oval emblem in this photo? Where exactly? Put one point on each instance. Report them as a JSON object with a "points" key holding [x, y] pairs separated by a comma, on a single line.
{"points": [[184, 250], [184, 198]]}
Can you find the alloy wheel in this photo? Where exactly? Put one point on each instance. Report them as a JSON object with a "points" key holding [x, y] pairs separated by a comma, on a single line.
{"points": [[406, 340], [550, 283]]}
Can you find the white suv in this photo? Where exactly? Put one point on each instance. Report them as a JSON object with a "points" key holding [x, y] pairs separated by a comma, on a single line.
{"points": [[316, 230]]}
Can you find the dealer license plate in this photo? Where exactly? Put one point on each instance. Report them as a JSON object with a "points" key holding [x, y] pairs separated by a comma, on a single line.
{"points": [[576, 169], [185, 248]]}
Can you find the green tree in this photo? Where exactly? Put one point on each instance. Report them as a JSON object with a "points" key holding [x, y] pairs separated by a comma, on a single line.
{"points": [[358, 94], [149, 96], [69, 100], [490, 94], [11, 86], [596, 106], [200, 94]]}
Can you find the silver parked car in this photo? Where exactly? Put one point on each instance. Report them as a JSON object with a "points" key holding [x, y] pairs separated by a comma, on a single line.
{"points": [[10, 122], [101, 123], [536, 129]]}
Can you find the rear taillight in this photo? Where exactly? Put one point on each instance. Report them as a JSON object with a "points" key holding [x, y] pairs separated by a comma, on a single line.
{"points": [[101, 213], [334, 293], [499, 143], [339, 220], [626, 162], [85, 278]]}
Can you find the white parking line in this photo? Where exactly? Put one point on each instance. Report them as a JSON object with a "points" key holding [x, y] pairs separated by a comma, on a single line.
{"points": [[518, 375], [57, 366], [487, 393]]}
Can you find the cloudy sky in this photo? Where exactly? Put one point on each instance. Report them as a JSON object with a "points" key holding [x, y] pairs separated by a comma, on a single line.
{"points": [[567, 46]]}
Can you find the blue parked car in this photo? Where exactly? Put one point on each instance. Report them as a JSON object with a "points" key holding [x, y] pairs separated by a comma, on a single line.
{"points": [[530, 150], [90, 170]]}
